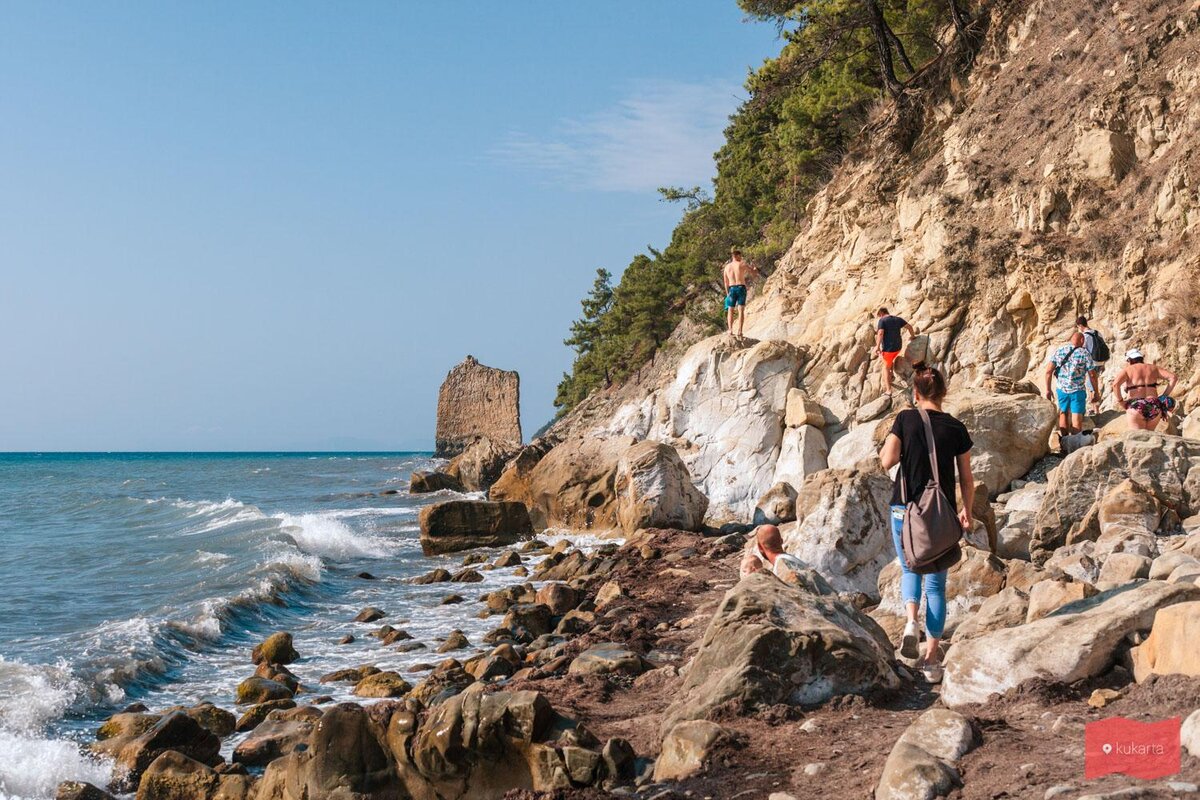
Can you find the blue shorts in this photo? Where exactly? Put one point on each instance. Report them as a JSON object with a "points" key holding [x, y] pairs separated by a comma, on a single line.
{"points": [[736, 296], [1072, 402]]}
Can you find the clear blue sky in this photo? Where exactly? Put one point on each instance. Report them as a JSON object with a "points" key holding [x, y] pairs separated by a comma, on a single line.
{"points": [[277, 225]]}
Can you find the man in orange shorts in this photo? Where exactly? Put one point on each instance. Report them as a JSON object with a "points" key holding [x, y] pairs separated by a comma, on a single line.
{"points": [[889, 343]]}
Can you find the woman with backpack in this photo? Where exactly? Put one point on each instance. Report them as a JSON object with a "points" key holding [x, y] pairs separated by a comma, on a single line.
{"points": [[931, 447]]}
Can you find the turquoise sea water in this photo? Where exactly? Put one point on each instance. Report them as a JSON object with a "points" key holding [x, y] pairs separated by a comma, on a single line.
{"points": [[147, 577]]}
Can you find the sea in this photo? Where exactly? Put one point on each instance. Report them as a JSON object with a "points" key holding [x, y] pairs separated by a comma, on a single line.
{"points": [[147, 577]]}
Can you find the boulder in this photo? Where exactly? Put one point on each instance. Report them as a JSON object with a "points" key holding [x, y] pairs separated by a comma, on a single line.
{"points": [[572, 485], [346, 758], [1007, 609], [1122, 568], [80, 790], [1171, 648], [801, 410], [457, 640], [1047, 596], [477, 746], [1078, 641], [476, 400], [1166, 467], [803, 451], [558, 597], [433, 481], [480, 463], [685, 749], [607, 658], [769, 643], [1189, 733], [254, 715], [921, 764], [462, 524], [261, 690], [1106, 155], [1011, 432], [777, 506], [382, 684], [281, 733], [514, 482], [654, 490], [860, 444], [724, 412], [275, 649], [174, 776], [175, 731], [370, 614], [843, 527]]}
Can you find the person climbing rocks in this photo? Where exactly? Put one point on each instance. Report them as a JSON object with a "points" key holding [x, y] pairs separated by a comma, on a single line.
{"points": [[907, 445], [1097, 348], [1069, 367], [736, 274], [1143, 405], [889, 342], [764, 551]]}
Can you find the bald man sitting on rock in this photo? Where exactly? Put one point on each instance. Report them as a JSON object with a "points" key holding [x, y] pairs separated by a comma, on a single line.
{"points": [[764, 552]]}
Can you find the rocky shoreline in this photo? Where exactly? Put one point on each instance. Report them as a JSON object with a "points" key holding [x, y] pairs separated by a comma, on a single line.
{"points": [[645, 670]]}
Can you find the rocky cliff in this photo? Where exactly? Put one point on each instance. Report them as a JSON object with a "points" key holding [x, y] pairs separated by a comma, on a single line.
{"points": [[1057, 178], [478, 401]]}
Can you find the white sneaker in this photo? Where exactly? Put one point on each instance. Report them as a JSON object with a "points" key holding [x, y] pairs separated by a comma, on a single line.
{"points": [[910, 641], [931, 671]]}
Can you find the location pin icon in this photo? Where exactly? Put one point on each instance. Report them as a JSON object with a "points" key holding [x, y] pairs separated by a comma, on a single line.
{"points": [[1107, 749]]}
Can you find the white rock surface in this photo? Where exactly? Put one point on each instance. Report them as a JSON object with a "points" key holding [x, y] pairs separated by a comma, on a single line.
{"points": [[724, 413], [843, 528], [1065, 647], [804, 452]]}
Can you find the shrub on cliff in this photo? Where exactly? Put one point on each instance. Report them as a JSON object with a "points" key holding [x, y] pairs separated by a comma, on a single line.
{"points": [[804, 108]]}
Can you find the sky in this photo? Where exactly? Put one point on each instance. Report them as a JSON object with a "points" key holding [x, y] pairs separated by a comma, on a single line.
{"points": [[276, 226]]}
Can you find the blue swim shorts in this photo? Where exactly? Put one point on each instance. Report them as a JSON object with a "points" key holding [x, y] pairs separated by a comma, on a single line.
{"points": [[736, 296], [1072, 402]]}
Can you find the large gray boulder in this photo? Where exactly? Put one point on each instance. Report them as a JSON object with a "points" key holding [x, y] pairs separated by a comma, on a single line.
{"points": [[1011, 433], [654, 490], [1077, 641], [462, 524], [346, 759], [770, 642], [843, 527], [921, 765], [1167, 466]]}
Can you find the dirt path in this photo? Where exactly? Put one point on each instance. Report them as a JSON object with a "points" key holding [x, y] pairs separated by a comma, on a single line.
{"points": [[1031, 740]]}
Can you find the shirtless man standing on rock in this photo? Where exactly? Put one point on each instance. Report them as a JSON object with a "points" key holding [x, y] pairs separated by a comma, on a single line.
{"points": [[735, 274]]}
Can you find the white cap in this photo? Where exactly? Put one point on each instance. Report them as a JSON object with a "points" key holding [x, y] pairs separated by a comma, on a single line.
{"points": [[1134, 353]]}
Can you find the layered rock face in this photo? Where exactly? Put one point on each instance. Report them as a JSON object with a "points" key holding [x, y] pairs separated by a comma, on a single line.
{"points": [[477, 400]]}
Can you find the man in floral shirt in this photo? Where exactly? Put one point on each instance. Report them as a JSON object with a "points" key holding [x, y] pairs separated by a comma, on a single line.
{"points": [[1070, 366]]}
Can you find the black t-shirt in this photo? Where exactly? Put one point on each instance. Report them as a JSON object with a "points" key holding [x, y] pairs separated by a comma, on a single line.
{"points": [[891, 326], [952, 440]]}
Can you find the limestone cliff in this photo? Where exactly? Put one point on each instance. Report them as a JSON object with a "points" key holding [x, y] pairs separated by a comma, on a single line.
{"points": [[476, 400], [1058, 177]]}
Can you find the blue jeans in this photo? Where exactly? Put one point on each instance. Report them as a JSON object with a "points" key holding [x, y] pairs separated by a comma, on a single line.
{"points": [[910, 583]]}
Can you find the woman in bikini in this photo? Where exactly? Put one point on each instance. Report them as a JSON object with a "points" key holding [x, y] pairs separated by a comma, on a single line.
{"points": [[1144, 406]]}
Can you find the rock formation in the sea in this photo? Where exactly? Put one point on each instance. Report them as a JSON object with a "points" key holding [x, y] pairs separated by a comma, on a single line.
{"points": [[476, 400]]}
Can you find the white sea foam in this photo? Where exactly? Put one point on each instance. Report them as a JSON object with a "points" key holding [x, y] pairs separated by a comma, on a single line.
{"points": [[32, 765], [326, 536], [204, 557]]}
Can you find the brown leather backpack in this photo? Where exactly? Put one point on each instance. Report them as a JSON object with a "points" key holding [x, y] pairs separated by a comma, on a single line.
{"points": [[931, 531]]}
